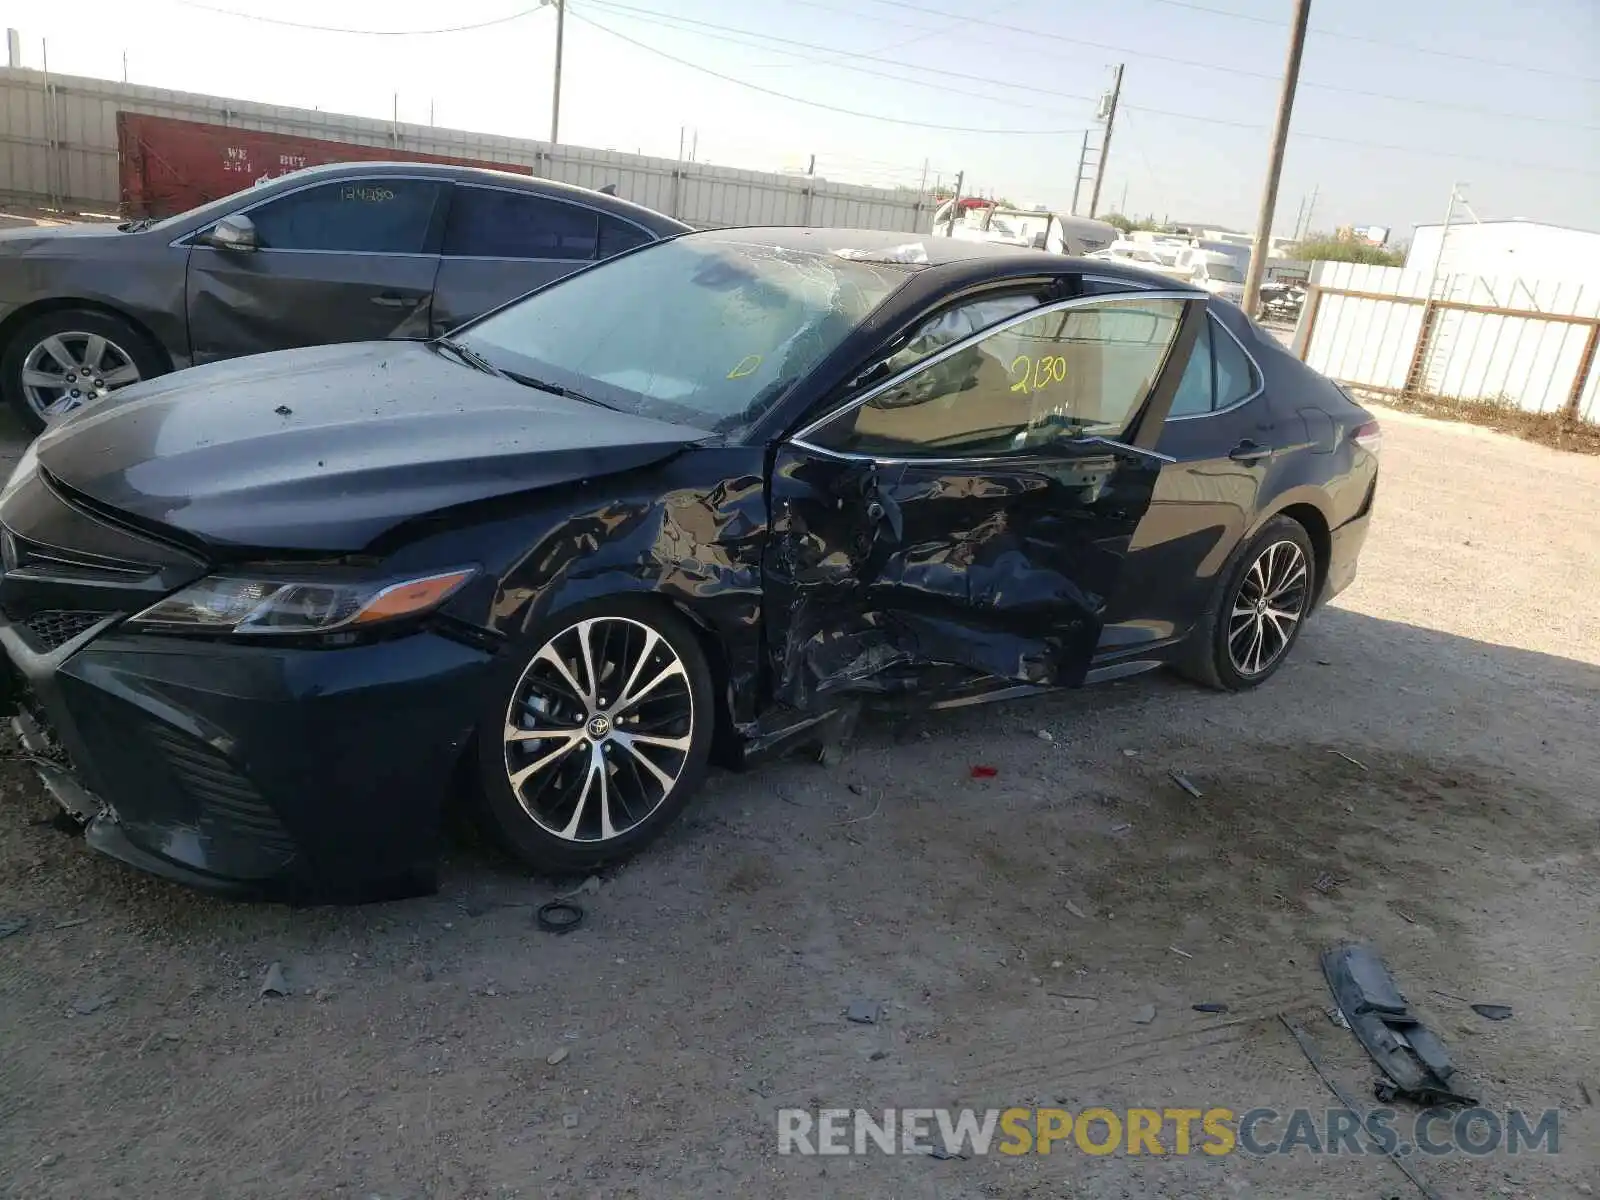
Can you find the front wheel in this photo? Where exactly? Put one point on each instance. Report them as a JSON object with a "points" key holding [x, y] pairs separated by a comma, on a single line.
{"points": [[61, 360], [600, 740], [1258, 609]]}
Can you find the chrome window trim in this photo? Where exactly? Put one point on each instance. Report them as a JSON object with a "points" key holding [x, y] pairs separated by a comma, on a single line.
{"points": [[1258, 374], [1007, 460], [957, 347], [515, 191]]}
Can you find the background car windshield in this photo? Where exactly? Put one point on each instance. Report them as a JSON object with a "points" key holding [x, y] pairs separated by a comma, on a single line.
{"points": [[1226, 272], [701, 332]]}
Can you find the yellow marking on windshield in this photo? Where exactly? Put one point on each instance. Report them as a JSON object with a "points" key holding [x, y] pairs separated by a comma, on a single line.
{"points": [[748, 365]]}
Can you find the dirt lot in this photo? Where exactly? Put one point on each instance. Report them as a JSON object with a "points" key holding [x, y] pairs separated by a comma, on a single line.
{"points": [[707, 988]]}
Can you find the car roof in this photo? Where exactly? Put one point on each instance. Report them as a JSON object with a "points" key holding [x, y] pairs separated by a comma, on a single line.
{"points": [[463, 173]]}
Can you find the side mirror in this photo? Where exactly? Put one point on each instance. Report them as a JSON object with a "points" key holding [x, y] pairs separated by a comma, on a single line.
{"points": [[236, 232]]}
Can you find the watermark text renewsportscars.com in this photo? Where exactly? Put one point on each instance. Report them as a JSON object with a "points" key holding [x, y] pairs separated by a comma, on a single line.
{"points": [[1166, 1131]]}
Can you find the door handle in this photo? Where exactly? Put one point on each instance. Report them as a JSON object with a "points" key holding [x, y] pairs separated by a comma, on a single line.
{"points": [[1248, 451], [393, 300]]}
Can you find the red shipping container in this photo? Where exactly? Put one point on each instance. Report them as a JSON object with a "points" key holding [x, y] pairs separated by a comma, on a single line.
{"points": [[166, 166]]}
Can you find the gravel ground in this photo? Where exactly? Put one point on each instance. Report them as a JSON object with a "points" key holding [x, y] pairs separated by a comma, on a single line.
{"points": [[413, 1057]]}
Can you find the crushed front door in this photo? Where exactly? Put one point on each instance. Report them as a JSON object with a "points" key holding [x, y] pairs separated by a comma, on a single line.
{"points": [[973, 511]]}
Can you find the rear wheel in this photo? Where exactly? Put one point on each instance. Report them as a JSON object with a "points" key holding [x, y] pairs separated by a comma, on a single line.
{"points": [[62, 360], [600, 740], [1258, 609]]}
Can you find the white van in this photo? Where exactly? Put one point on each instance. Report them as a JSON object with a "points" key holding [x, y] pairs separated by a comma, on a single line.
{"points": [[1218, 273]]}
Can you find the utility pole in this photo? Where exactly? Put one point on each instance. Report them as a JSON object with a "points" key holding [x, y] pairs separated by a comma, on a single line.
{"points": [[1280, 139], [1083, 158], [1105, 141], [1311, 207], [555, 94], [124, 66], [955, 203], [1122, 205]]}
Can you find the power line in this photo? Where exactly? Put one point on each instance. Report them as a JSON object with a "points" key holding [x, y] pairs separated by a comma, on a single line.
{"points": [[829, 56], [1224, 68], [244, 16], [849, 112], [1186, 116], [1373, 41], [715, 30]]}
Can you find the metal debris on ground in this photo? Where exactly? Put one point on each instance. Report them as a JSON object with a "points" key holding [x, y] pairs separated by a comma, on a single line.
{"points": [[10, 925], [85, 1005], [1583, 1090], [1075, 910], [1325, 882], [569, 1120], [981, 772], [1209, 1008], [1405, 916], [557, 1057], [558, 916], [1180, 953], [864, 1012], [1144, 1014], [1308, 1048], [878, 1055], [1493, 1012], [1122, 828], [1130, 754], [1414, 1062], [1337, 1018], [1182, 780], [274, 984], [1348, 759], [1046, 736]]}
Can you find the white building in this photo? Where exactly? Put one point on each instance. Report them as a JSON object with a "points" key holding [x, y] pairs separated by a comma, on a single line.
{"points": [[1512, 247]]}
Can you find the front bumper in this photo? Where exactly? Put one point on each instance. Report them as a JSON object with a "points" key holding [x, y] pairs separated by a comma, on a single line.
{"points": [[306, 775]]}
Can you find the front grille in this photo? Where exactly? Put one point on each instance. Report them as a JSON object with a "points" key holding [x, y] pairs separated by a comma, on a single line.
{"points": [[228, 803], [45, 631]]}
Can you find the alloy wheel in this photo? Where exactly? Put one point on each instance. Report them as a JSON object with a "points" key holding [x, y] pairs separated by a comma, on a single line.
{"points": [[599, 729], [70, 369], [1268, 607]]}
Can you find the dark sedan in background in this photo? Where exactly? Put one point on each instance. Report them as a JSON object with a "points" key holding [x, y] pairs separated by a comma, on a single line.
{"points": [[337, 253], [712, 494]]}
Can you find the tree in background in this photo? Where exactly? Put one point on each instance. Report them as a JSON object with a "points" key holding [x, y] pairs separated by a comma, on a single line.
{"points": [[1324, 247], [1128, 224]]}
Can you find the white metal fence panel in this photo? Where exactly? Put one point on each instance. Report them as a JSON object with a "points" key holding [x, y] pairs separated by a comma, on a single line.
{"points": [[1523, 343], [58, 148]]}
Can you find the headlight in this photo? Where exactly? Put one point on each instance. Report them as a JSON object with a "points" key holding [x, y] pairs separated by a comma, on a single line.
{"points": [[227, 604]]}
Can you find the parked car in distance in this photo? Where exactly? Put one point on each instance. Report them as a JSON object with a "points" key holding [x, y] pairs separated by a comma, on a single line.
{"points": [[1037, 228], [1153, 256], [338, 253], [1216, 272], [269, 610]]}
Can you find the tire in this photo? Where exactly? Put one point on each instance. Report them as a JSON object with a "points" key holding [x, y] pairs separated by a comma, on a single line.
{"points": [[616, 774], [1223, 650], [125, 355]]}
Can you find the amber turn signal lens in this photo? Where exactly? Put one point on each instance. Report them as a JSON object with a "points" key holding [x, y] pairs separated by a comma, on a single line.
{"points": [[412, 596]]}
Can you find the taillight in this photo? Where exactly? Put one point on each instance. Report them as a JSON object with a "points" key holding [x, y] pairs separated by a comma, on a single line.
{"points": [[1369, 437]]}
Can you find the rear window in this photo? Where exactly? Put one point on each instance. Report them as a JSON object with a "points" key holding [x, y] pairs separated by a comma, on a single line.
{"points": [[498, 223]]}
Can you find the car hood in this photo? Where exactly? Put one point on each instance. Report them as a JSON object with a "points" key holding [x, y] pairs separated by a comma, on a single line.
{"points": [[23, 238], [328, 448]]}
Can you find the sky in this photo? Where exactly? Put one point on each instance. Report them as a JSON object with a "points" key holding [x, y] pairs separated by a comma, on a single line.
{"points": [[1397, 101]]}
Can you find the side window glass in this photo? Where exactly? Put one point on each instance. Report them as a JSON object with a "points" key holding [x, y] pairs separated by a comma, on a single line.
{"points": [[1194, 393], [955, 323], [493, 223], [617, 236], [1236, 375], [377, 216], [1055, 377]]}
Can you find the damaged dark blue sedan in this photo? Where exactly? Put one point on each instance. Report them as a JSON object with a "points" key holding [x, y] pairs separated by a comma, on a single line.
{"points": [[698, 502]]}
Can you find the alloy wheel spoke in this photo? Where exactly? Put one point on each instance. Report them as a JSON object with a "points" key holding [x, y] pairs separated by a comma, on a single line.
{"points": [[32, 377], [120, 376], [57, 349], [630, 743], [571, 831], [625, 696], [584, 645], [94, 352], [519, 777], [514, 734], [547, 654], [626, 702], [1282, 614]]}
